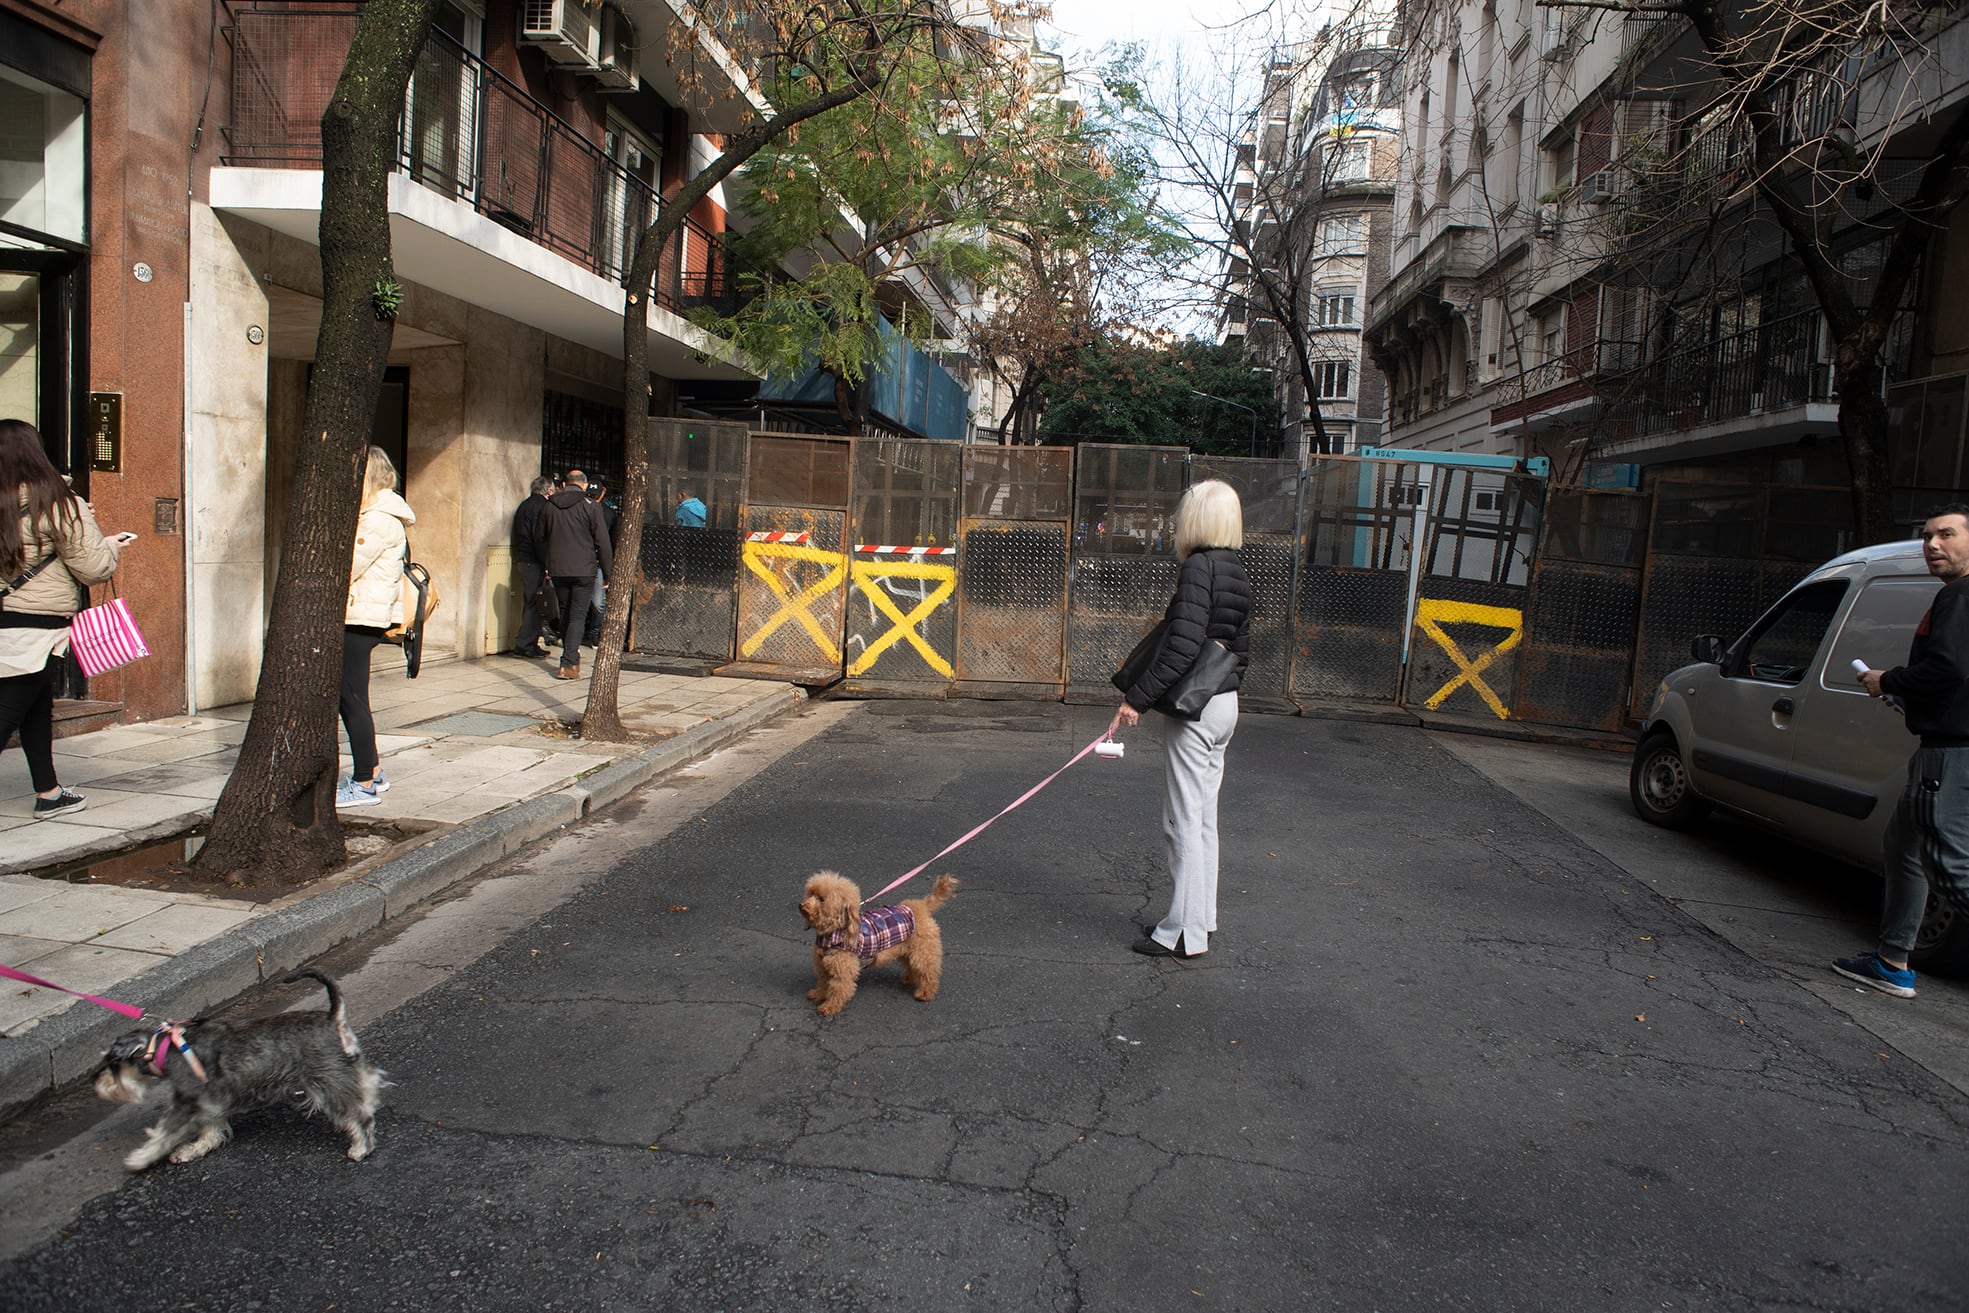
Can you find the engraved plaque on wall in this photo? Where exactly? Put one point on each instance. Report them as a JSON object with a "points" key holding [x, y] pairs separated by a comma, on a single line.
{"points": [[106, 432]]}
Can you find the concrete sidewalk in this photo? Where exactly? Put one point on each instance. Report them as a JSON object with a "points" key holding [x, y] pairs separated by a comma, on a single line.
{"points": [[481, 761]]}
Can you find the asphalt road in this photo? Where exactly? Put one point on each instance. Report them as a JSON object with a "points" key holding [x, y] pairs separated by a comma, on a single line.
{"points": [[1446, 1053]]}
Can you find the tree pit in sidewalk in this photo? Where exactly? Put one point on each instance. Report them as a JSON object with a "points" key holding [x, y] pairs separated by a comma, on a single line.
{"points": [[164, 865]]}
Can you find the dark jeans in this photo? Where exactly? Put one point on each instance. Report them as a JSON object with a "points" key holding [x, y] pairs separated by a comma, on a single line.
{"points": [[357, 643], [27, 704], [531, 575], [572, 591]]}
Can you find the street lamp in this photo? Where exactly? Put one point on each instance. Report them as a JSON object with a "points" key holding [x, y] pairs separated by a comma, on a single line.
{"points": [[1241, 406]]}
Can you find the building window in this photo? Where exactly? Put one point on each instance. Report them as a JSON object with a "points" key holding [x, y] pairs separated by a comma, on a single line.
{"points": [[1344, 234], [1349, 161], [1335, 310], [1551, 336], [1559, 167], [1334, 379], [43, 161]]}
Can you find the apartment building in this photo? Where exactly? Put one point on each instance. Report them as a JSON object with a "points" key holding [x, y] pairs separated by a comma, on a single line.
{"points": [[1315, 202], [160, 191], [1583, 267]]}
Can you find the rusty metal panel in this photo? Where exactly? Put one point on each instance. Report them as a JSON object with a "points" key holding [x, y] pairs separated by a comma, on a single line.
{"points": [[902, 609], [1583, 609], [1112, 602], [1350, 606], [1018, 483], [1012, 602], [686, 597], [790, 471], [792, 593]]}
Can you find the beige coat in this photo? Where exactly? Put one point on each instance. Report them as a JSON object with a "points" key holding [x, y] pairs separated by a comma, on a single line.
{"points": [[376, 572], [82, 556]]}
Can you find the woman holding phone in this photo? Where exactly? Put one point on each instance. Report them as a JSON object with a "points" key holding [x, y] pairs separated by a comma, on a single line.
{"points": [[50, 552]]}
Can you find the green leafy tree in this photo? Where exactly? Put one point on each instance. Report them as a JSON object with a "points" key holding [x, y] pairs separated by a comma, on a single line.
{"points": [[1200, 395]]}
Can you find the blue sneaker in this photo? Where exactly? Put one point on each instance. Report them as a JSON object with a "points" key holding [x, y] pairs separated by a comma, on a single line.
{"points": [[1870, 971], [378, 783], [350, 794]]}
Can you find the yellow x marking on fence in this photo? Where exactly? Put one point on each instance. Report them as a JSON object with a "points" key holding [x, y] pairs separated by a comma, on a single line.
{"points": [[759, 557], [1431, 614], [868, 576]]}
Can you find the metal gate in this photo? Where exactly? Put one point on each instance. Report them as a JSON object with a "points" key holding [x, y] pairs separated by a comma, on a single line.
{"points": [[1269, 491], [792, 587], [1124, 556], [1585, 601], [684, 602], [1360, 519], [1719, 554], [1469, 613], [902, 566], [1012, 570]]}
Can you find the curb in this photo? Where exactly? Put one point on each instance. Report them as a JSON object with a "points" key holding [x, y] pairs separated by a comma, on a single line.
{"points": [[67, 1046]]}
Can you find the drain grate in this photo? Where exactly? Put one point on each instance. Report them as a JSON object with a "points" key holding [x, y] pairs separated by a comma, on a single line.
{"points": [[474, 724]]}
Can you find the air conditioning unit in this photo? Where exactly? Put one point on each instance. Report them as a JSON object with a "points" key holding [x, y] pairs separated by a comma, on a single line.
{"points": [[1555, 41], [566, 31], [1599, 188], [1546, 222], [616, 69]]}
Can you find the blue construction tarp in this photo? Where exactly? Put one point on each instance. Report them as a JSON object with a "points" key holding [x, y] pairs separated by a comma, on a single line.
{"points": [[905, 387]]}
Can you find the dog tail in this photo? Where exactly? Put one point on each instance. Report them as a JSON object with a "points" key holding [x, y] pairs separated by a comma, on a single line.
{"points": [[336, 1013], [941, 893]]}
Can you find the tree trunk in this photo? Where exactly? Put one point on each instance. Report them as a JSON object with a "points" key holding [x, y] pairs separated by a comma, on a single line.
{"points": [[275, 823], [1864, 424]]}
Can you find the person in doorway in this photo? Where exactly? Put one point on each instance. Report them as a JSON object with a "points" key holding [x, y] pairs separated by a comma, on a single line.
{"points": [[50, 551], [375, 603], [1927, 842], [598, 600], [578, 552], [1212, 601], [531, 557], [691, 511]]}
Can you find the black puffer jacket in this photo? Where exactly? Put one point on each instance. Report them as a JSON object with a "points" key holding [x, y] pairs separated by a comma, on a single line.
{"points": [[1213, 600]]}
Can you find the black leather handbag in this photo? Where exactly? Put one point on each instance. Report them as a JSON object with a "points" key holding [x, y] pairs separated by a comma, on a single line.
{"points": [[1186, 698]]}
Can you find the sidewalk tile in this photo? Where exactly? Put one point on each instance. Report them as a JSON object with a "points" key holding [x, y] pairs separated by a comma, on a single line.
{"points": [[43, 843], [90, 968], [174, 929], [78, 913], [20, 890], [116, 809], [19, 950]]}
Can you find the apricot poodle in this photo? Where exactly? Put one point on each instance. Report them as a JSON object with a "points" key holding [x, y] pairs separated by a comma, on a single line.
{"points": [[849, 938]]}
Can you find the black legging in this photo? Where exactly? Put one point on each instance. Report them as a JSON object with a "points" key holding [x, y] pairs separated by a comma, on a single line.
{"points": [[27, 704], [358, 641]]}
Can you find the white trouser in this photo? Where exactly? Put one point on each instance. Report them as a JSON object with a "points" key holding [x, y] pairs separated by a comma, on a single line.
{"points": [[1195, 749]]}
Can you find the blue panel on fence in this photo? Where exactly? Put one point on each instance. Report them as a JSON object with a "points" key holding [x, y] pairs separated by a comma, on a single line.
{"points": [[950, 405]]}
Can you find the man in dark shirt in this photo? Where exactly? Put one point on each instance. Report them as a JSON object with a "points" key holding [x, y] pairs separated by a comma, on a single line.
{"points": [[531, 557], [1927, 842], [578, 552]]}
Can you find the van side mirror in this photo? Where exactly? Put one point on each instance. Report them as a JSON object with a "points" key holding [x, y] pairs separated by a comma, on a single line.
{"points": [[1707, 647]]}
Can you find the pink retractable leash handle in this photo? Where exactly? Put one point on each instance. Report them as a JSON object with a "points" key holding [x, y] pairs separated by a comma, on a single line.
{"points": [[1017, 802]]}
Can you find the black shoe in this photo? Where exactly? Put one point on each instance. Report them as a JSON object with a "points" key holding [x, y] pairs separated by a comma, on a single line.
{"points": [[1150, 948], [64, 802], [535, 652]]}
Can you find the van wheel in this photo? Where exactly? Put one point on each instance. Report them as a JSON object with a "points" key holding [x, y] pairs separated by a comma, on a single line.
{"points": [[1941, 945], [1658, 784]]}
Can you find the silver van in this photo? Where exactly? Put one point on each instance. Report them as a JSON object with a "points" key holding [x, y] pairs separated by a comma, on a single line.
{"points": [[1776, 727]]}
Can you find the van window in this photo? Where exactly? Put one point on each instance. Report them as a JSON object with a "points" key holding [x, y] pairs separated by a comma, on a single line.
{"points": [[1780, 649], [1878, 629]]}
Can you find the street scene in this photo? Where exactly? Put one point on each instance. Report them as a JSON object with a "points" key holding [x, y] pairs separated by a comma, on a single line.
{"points": [[1471, 1035]]}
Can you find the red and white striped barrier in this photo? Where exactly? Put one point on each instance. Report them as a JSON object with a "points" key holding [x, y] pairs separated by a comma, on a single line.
{"points": [[893, 549], [776, 537]]}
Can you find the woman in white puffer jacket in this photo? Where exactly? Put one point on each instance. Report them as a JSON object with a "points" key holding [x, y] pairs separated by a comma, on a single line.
{"points": [[375, 603]]}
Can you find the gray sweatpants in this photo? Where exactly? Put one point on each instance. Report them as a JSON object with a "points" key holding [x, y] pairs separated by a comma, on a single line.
{"points": [[1195, 751], [1926, 846]]}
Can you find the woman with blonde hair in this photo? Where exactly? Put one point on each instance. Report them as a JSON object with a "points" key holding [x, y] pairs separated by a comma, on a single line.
{"points": [[375, 603], [50, 551], [1212, 601]]}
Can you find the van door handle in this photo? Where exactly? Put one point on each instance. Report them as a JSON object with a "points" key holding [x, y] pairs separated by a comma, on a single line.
{"points": [[1784, 706]]}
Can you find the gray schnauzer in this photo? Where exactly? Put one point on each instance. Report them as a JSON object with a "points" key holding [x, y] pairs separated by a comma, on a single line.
{"points": [[214, 1069]]}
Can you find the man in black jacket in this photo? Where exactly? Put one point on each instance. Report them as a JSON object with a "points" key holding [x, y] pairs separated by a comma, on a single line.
{"points": [[531, 557], [1927, 842], [578, 551]]}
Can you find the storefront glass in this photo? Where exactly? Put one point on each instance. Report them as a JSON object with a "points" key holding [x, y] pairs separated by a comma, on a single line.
{"points": [[43, 163]]}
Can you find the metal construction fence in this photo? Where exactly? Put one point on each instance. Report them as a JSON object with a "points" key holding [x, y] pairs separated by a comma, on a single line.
{"points": [[902, 567]]}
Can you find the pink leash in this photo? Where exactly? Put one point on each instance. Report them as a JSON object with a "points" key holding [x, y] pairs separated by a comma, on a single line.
{"points": [[1105, 735], [14, 973]]}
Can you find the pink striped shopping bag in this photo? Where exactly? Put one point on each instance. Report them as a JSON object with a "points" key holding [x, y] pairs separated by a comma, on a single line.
{"points": [[105, 637]]}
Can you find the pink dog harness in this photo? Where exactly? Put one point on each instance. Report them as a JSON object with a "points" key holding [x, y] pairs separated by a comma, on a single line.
{"points": [[879, 928]]}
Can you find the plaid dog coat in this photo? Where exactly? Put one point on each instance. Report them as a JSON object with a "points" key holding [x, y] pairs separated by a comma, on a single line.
{"points": [[879, 928]]}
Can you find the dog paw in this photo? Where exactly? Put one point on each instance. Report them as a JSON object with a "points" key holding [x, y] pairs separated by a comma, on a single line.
{"points": [[136, 1160], [816, 995], [829, 1009]]}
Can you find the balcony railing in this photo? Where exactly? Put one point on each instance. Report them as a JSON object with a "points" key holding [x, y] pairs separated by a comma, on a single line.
{"points": [[1774, 366], [469, 132], [1569, 367]]}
